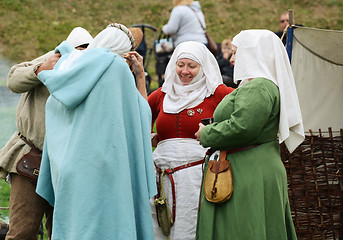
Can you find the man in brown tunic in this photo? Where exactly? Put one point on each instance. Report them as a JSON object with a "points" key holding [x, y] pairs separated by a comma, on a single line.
{"points": [[26, 207]]}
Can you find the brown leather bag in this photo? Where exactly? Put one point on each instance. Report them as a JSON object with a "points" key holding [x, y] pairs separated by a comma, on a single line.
{"points": [[29, 163], [218, 184]]}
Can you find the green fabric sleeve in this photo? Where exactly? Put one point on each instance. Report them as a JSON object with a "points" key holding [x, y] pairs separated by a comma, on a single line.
{"points": [[252, 106]]}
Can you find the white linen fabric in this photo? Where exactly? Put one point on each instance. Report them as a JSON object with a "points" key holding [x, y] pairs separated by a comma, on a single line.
{"points": [[114, 39], [178, 96], [126, 31], [74, 55], [79, 36], [187, 185], [260, 53]]}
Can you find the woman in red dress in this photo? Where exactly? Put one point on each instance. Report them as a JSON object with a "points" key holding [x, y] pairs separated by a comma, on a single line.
{"points": [[192, 89]]}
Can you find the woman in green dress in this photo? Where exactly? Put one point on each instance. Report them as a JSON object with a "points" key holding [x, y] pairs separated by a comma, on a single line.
{"points": [[251, 122]]}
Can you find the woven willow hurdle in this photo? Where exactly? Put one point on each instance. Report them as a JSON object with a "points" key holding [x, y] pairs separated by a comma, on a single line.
{"points": [[315, 185]]}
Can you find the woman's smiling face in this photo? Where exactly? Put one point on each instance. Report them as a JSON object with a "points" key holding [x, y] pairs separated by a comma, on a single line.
{"points": [[187, 69]]}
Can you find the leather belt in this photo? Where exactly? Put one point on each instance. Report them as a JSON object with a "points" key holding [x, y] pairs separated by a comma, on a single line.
{"points": [[241, 148], [169, 172], [21, 136]]}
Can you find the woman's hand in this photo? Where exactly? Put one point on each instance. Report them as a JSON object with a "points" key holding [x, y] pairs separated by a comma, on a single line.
{"points": [[135, 61], [198, 133]]}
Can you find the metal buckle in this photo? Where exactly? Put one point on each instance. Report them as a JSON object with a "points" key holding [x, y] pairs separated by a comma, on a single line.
{"points": [[35, 171]]}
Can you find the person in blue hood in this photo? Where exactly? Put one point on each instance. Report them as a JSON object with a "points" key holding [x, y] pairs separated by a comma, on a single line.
{"points": [[97, 168]]}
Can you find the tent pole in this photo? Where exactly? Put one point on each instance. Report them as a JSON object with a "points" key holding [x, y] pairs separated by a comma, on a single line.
{"points": [[291, 21], [289, 30]]}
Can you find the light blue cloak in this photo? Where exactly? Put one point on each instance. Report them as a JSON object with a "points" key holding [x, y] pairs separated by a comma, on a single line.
{"points": [[97, 167]]}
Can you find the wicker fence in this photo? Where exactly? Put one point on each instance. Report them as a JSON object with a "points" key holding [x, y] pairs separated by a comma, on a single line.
{"points": [[315, 182]]}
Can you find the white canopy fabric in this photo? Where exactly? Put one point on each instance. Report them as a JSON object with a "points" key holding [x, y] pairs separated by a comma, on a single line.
{"points": [[317, 64]]}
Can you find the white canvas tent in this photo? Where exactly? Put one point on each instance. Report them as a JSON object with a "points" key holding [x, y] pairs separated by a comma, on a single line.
{"points": [[314, 169], [317, 63]]}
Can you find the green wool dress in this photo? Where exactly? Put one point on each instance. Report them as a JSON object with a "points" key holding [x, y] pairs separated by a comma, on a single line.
{"points": [[259, 207]]}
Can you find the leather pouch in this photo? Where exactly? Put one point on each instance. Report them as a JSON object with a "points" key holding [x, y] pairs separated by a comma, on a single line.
{"points": [[164, 216], [29, 164], [218, 184]]}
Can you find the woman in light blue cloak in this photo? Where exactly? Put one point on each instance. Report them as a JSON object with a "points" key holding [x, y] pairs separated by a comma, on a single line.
{"points": [[97, 169]]}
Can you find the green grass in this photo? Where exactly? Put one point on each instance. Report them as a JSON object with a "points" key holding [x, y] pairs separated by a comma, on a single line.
{"points": [[2, 83], [30, 28], [4, 200]]}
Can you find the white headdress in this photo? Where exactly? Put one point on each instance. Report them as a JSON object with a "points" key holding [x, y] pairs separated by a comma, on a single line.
{"points": [[260, 53], [114, 39], [179, 97], [79, 36]]}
